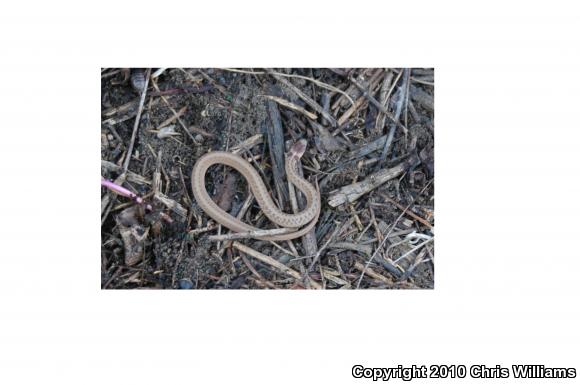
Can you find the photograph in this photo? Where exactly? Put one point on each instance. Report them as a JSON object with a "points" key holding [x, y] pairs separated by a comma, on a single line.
{"points": [[267, 178], [271, 191]]}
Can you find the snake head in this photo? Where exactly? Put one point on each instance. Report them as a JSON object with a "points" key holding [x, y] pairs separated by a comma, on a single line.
{"points": [[298, 148]]}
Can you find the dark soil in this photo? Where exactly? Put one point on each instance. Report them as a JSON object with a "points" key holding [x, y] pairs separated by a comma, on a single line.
{"points": [[165, 248]]}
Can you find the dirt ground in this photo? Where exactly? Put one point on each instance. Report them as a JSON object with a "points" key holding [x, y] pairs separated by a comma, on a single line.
{"points": [[370, 153]]}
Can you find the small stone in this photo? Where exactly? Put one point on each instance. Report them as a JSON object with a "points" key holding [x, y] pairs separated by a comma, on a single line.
{"points": [[185, 284], [199, 138]]}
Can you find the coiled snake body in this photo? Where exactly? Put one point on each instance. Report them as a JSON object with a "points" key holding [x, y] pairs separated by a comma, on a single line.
{"points": [[306, 217]]}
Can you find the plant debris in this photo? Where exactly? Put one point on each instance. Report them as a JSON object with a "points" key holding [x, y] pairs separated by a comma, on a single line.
{"points": [[370, 153]]}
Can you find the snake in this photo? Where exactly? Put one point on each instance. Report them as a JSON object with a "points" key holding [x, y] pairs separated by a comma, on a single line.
{"points": [[297, 224]]}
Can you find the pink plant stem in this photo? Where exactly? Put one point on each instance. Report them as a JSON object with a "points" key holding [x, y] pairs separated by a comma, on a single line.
{"points": [[122, 191]]}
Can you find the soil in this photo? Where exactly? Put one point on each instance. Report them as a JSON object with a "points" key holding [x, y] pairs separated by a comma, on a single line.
{"points": [[167, 245]]}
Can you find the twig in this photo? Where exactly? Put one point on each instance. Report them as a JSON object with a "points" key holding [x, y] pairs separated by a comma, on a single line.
{"points": [[352, 192], [245, 207], [378, 105], [420, 245], [115, 134], [177, 262], [409, 213], [365, 249], [307, 99], [384, 99], [249, 234], [408, 84], [109, 74], [255, 272], [158, 72], [388, 233], [131, 176], [218, 86], [174, 113], [272, 262], [122, 191], [391, 135], [248, 144], [292, 106], [421, 81], [330, 239], [368, 148], [186, 194], [172, 118], [372, 83], [172, 205], [327, 274], [317, 82], [192, 233], [371, 273], [136, 125], [275, 134]]}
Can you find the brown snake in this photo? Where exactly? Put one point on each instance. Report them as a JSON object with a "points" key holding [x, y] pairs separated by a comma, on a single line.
{"points": [[306, 217]]}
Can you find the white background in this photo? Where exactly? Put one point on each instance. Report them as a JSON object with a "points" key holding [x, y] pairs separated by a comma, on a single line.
{"points": [[507, 195]]}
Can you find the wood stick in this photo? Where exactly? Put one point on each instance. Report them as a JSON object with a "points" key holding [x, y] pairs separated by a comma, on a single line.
{"points": [[172, 205], [307, 99], [368, 148], [131, 176], [327, 273], [136, 125], [275, 135], [317, 82], [365, 249], [372, 83], [249, 234], [292, 106], [296, 202], [192, 233], [408, 212], [384, 99], [172, 118], [378, 105], [255, 272], [247, 144], [351, 89], [352, 192], [272, 262], [371, 273]]}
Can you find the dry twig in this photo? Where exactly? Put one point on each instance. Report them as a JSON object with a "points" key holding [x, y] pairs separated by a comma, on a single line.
{"points": [[272, 262]]}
